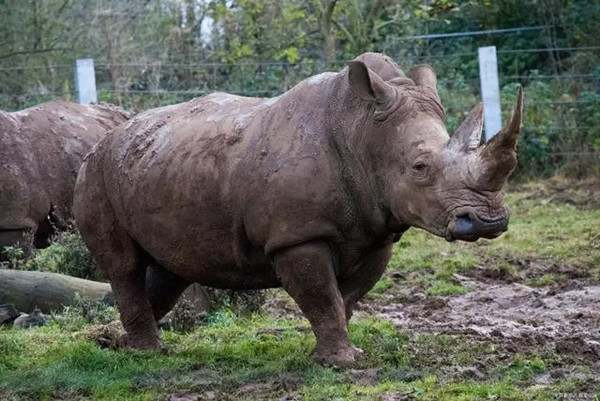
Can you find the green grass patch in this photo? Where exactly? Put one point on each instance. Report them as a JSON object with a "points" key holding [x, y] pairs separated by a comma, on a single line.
{"points": [[230, 353]]}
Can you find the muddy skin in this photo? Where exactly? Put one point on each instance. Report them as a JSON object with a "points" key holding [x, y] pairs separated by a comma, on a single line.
{"points": [[306, 191], [41, 150]]}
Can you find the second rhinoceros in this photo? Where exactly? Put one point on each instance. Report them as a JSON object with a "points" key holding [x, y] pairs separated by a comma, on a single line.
{"points": [[41, 150], [306, 191]]}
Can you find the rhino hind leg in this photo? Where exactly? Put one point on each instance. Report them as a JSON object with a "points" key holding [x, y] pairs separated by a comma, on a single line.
{"points": [[163, 288], [355, 286], [306, 273], [43, 233], [123, 262], [48, 227]]}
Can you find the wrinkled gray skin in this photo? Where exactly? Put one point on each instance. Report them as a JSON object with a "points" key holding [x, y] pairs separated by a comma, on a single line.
{"points": [[306, 191], [41, 150]]}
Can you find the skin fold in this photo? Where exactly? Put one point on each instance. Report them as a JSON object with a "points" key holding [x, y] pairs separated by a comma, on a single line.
{"points": [[306, 191], [41, 150]]}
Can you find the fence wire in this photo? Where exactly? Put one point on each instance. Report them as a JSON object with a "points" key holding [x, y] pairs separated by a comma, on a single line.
{"points": [[562, 117]]}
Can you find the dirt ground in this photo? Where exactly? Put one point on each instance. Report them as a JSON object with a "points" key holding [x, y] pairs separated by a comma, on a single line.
{"points": [[508, 312]]}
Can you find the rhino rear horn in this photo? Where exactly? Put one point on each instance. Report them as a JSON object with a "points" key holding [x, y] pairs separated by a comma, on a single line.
{"points": [[368, 85], [467, 137]]}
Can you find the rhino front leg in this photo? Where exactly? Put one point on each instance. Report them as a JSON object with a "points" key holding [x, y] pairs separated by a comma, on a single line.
{"points": [[354, 286], [306, 273]]}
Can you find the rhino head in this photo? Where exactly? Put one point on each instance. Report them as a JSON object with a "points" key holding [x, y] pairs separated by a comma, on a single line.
{"points": [[447, 185]]}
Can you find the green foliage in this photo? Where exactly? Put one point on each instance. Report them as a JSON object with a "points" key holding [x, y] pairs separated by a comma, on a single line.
{"points": [[560, 129], [384, 284], [445, 288], [83, 312], [66, 254], [523, 369], [14, 256]]}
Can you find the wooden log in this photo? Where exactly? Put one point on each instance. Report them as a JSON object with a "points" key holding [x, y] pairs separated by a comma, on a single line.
{"points": [[49, 292]]}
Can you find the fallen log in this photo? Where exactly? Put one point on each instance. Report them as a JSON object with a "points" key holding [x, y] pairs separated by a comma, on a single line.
{"points": [[49, 292]]}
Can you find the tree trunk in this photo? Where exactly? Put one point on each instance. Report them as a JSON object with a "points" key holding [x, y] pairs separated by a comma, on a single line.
{"points": [[47, 291], [327, 32]]}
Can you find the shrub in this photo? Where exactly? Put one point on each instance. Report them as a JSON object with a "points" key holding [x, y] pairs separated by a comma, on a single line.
{"points": [[82, 312], [188, 313], [240, 302], [185, 316], [66, 254], [13, 257], [561, 130]]}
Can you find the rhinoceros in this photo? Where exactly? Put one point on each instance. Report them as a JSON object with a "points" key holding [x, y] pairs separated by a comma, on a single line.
{"points": [[307, 191], [41, 150]]}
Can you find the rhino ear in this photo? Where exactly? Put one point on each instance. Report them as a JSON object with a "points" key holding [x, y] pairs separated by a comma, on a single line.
{"points": [[367, 85], [423, 75]]}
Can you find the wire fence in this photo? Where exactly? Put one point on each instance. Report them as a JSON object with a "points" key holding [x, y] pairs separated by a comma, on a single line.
{"points": [[562, 118]]}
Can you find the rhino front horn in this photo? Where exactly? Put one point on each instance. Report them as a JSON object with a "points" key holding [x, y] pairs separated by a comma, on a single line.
{"points": [[508, 135], [499, 157]]}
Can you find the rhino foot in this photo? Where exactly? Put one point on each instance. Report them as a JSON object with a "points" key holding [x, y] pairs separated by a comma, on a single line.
{"points": [[141, 343], [343, 357]]}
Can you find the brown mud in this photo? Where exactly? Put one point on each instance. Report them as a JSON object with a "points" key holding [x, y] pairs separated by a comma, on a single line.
{"points": [[511, 313]]}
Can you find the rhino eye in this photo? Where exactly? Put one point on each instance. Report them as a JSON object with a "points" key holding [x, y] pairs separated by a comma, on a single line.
{"points": [[419, 166]]}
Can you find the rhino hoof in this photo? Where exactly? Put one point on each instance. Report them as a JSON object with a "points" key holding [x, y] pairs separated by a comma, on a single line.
{"points": [[341, 358]]}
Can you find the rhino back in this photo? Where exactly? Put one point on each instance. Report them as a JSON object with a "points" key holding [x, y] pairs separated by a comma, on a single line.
{"points": [[41, 149], [222, 176]]}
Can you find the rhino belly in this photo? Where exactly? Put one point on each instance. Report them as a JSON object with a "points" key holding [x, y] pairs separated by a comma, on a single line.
{"points": [[203, 249]]}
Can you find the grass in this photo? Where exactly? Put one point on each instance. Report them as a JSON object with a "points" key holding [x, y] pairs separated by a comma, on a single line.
{"points": [[260, 357], [250, 358]]}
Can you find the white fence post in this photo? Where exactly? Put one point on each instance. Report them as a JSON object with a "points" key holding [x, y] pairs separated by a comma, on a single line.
{"points": [[490, 91], [85, 81]]}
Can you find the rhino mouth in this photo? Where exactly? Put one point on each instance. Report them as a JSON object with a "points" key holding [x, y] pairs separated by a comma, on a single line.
{"points": [[468, 225]]}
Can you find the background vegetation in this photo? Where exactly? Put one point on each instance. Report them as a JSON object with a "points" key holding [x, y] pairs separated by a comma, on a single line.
{"points": [[155, 52]]}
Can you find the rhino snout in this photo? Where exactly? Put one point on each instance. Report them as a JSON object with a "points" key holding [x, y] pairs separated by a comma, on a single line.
{"points": [[468, 225]]}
